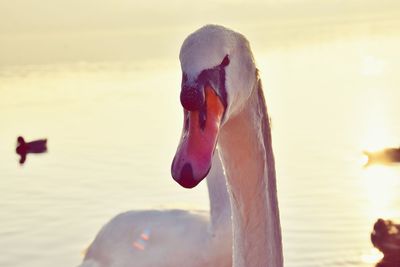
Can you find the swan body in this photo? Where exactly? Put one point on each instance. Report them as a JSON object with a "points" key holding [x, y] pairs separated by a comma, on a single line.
{"points": [[168, 238], [218, 65]]}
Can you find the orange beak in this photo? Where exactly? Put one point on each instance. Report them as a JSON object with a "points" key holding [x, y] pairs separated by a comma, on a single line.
{"points": [[192, 160]]}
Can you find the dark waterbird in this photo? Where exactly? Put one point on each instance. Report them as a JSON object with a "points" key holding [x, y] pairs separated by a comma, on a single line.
{"points": [[34, 147], [386, 238], [385, 156]]}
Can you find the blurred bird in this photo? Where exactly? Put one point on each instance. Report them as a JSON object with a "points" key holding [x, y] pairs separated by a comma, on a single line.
{"points": [[35, 147], [386, 238]]}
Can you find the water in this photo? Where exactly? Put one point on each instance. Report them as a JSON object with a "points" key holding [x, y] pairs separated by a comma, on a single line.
{"points": [[113, 130]]}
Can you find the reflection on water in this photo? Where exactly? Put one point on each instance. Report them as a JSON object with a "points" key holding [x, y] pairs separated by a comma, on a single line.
{"points": [[382, 195], [372, 257], [376, 120], [114, 129]]}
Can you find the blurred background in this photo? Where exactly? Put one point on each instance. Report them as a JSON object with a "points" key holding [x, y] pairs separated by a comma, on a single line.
{"points": [[101, 80]]}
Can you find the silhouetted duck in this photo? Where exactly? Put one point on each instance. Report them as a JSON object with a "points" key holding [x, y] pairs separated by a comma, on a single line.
{"points": [[24, 148], [388, 155], [386, 238]]}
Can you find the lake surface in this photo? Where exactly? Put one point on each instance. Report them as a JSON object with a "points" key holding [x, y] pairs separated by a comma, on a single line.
{"points": [[113, 129]]}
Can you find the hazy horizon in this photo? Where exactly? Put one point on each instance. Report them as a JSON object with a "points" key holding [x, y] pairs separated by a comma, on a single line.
{"points": [[49, 32]]}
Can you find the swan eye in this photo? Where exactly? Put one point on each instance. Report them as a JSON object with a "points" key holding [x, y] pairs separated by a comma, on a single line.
{"points": [[192, 93]]}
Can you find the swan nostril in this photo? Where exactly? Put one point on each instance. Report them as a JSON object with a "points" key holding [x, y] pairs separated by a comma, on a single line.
{"points": [[192, 99]]}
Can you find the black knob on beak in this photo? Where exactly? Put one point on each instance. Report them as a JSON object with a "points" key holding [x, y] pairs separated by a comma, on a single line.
{"points": [[192, 98]]}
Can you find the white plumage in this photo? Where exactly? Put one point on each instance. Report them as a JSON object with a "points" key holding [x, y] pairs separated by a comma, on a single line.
{"points": [[168, 238], [244, 142]]}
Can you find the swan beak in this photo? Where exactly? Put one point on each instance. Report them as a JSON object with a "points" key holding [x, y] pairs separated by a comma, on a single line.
{"points": [[192, 160]]}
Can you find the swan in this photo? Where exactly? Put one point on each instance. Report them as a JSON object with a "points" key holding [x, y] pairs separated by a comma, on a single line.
{"points": [[224, 106], [169, 238]]}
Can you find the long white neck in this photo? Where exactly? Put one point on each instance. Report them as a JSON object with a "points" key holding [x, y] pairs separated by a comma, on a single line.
{"points": [[245, 146], [220, 208]]}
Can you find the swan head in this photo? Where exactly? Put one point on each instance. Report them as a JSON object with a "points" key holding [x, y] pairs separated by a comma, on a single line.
{"points": [[218, 76]]}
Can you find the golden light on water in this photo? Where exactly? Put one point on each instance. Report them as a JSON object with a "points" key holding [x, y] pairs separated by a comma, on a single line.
{"points": [[376, 124], [373, 256], [378, 184], [376, 135], [376, 120]]}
